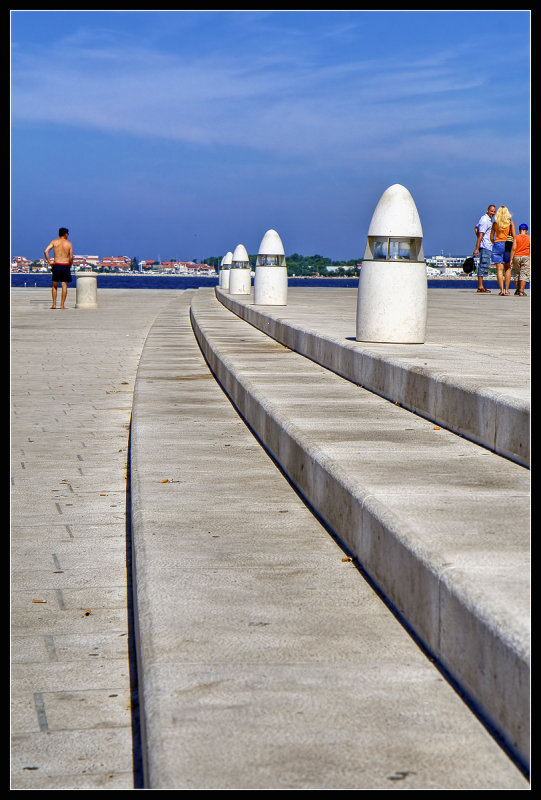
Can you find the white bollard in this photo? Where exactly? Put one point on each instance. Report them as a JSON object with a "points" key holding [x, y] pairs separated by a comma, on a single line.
{"points": [[86, 290], [240, 276], [270, 281], [396, 314], [240, 281], [270, 286], [392, 295], [224, 270]]}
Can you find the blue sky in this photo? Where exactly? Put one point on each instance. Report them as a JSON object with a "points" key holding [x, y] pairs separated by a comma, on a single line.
{"points": [[180, 134]]}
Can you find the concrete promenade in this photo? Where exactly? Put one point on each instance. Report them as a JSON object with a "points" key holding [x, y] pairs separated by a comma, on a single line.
{"points": [[72, 379], [267, 658]]}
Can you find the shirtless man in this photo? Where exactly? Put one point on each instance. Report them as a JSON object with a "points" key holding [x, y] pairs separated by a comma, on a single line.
{"points": [[63, 259]]}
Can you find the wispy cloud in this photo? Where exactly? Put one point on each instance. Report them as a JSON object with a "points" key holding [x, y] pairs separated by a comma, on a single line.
{"points": [[269, 103], [302, 115]]}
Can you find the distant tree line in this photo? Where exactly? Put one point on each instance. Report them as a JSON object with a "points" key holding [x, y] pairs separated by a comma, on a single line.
{"points": [[304, 265]]}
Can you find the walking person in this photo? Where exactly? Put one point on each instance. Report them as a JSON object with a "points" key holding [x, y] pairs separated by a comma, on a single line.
{"points": [[483, 247], [520, 258], [502, 227], [61, 266]]}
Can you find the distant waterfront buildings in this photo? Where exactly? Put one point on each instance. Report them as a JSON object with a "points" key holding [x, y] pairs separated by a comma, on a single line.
{"points": [[444, 265], [117, 264], [20, 264], [435, 265]]}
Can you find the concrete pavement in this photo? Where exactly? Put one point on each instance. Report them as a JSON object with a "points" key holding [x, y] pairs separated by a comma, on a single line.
{"points": [[72, 679], [266, 658]]}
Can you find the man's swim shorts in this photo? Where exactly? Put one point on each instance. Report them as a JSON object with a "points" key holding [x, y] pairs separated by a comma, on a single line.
{"points": [[61, 273]]}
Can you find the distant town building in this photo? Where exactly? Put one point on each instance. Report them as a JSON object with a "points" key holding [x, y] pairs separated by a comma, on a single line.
{"points": [[85, 262], [122, 263], [445, 265], [180, 268], [20, 264]]}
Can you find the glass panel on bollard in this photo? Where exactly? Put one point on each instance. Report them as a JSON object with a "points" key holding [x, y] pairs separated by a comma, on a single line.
{"points": [[269, 261], [400, 249], [379, 249], [393, 248]]}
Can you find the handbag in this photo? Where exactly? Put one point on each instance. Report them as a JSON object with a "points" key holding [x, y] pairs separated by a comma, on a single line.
{"points": [[509, 242], [468, 265]]}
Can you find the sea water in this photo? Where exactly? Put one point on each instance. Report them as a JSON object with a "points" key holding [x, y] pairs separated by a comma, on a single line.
{"points": [[138, 281]]}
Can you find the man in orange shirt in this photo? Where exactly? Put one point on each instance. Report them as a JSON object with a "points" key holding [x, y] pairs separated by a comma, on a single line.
{"points": [[520, 258]]}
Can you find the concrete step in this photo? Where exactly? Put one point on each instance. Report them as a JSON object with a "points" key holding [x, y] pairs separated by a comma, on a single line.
{"points": [[421, 508], [472, 375], [266, 659]]}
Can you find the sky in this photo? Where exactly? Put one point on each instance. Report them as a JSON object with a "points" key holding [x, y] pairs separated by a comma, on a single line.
{"points": [[180, 134]]}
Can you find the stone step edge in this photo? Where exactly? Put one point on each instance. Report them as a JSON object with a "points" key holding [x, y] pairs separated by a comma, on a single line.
{"points": [[484, 417], [501, 693]]}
